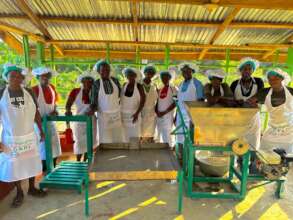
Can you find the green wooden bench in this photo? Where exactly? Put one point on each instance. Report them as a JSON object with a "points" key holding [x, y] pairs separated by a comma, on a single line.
{"points": [[70, 175]]}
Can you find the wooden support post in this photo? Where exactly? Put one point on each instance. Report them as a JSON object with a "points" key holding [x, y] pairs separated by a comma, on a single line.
{"points": [[227, 64], [108, 52]]}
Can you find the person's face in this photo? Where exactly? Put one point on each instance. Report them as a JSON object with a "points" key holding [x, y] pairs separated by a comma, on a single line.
{"points": [[45, 79], [216, 82], [87, 83], [15, 79], [165, 79], [149, 74], [187, 73], [246, 71], [131, 77], [104, 71], [275, 82]]}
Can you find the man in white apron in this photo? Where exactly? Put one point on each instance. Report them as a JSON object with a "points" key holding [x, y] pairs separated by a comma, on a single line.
{"points": [[165, 110], [47, 98], [243, 89], [216, 92], [148, 115], [80, 97], [278, 100], [190, 89], [19, 155], [132, 103], [105, 99]]}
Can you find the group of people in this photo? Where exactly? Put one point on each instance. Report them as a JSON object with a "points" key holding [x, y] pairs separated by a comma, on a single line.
{"points": [[137, 110]]}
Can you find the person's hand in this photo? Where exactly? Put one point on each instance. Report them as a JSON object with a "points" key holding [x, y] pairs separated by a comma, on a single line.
{"points": [[53, 113], [42, 136], [134, 117], [252, 102], [1, 148], [68, 113], [90, 113], [161, 114]]}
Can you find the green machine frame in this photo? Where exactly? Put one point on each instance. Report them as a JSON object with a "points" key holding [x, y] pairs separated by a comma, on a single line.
{"points": [[68, 174], [237, 179]]}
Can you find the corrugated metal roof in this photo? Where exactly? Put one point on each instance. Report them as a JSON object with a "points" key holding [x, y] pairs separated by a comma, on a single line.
{"points": [[176, 34], [90, 31], [82, 8], [152, 33], [181, 12], [253, 36], [21, 23], [9, 7], [264, 15]]}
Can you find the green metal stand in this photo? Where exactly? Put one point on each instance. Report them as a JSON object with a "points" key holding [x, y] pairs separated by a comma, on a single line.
{"points": [[68, 174], [236, 178]]}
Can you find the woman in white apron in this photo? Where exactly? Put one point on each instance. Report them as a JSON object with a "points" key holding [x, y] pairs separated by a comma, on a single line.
{"points": [[148, 115], [165, 110], [190, 89], [105, 99], [216, 92], [44, 88], [279, 104], [80, 97], [132, 102], [245, 88], [19, 158]]}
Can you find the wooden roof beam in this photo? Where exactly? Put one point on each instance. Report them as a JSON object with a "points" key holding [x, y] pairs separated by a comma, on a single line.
{"points": [[135, 9], [12, 42], [9, 28], [36, 21], [220, 30], [188, 45], [159, 55]]}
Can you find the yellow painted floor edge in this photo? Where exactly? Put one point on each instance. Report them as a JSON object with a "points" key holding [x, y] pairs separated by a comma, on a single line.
{"points": [[133, 175]]}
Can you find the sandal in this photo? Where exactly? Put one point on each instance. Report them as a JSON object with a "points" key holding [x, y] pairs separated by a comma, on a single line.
{"points": [[37, 193], [18, 200]]}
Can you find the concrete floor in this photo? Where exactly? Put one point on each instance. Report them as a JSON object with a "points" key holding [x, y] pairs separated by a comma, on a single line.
{"points": [[160, 197]]}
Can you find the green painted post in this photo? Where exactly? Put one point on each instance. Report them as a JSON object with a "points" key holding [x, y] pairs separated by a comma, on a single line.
{"points": [[227, 64], [289, 62], [89, 131], [108, 52], [180, 190], [137, 57], [40, 53], [52, 56], [276, 58], [244, 174], [167, 57], [26, 51], [49, 159]]}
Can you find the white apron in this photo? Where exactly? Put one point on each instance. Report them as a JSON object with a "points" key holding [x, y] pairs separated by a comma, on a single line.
{"points": [[129, 106], [46, 109], [109, 115], [280, 131], [21, 159], [79, 128], [165, 123], [148, 114], [254, 133], [188, 95]]}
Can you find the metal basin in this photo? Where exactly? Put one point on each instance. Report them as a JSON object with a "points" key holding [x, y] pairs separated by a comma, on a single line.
{"points": [[212, 164]]}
